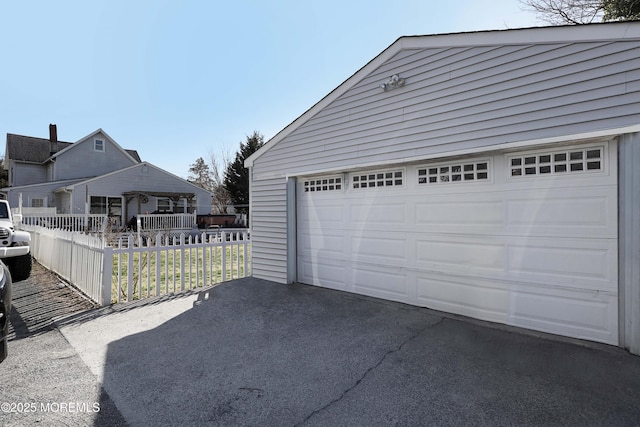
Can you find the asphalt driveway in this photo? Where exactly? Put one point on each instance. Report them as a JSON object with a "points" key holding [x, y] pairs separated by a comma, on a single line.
{"points": [[43, 381], [252, 352]]}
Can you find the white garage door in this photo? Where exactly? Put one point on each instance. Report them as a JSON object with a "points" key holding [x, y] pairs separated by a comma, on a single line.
{"points": [[525, 238]]}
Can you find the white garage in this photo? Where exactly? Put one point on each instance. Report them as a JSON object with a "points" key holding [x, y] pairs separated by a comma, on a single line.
{"points": [[491, 174], [526, 238]]}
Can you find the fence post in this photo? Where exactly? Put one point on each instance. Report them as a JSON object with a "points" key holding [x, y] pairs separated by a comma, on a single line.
{"points": [[107, 271], [182, 270], [158, 262], [245, 238], [224, 256]]}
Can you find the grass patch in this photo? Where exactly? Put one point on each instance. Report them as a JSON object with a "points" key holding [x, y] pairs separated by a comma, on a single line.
{"points": [[145, 272]]}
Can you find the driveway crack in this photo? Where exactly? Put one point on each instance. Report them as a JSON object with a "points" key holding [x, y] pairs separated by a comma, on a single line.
{"points": [[371, 369]]}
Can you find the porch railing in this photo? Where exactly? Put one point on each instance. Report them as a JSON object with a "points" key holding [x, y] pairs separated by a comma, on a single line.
{"points": [[68, 222], [160, 222], [98, 223]]}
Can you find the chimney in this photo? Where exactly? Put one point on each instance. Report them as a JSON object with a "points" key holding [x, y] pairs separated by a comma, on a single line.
{"points": [[53, 133], [53, 138]]}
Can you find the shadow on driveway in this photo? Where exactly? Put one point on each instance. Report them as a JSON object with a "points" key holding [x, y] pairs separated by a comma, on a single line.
{"points": [[42, 369], [254, 352], [40, 299]]}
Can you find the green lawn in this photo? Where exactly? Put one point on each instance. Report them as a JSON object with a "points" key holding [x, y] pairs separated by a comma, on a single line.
{"points": [[173, 270]]}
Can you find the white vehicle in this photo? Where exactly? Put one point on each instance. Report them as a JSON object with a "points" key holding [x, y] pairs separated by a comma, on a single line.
{"points": [[14, 245]]}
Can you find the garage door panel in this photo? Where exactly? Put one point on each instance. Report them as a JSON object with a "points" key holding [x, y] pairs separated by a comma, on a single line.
{"points": [[378, 249], [378, 213], [322, 214], [372, 280], [459, 254], [470, 214], [565, 263], [317, 240], [567, 213], [481, 299], [325, 272], [589, 315]]}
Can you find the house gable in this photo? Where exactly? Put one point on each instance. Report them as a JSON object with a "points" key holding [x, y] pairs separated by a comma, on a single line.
{"points": [[94, 155], [465, 91], [32, 160], [143, 178]]}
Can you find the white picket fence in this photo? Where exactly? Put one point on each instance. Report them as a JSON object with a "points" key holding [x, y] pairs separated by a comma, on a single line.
{"points": [[139, 269]]}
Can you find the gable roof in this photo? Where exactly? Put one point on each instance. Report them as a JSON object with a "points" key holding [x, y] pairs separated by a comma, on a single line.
{"points": [[127, 153], [604, 32], [31, 149], [38, 150], [110, 174]]}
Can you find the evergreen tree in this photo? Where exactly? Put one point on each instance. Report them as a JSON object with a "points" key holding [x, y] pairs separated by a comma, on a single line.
{"points": [[236, 176], [621, 10]]}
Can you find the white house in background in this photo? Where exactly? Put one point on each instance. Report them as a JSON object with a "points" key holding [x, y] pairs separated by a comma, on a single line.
{"points": [[94, 174], [489, 174]]}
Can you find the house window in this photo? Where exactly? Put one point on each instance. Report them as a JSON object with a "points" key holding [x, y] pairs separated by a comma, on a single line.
{"points": [[105, 205], [560, 162], [37, 202], [181, 206], [329, 183], [393, 178], [454, 172], [164, 205], [98, 205], [114, 206], [98, 145]]}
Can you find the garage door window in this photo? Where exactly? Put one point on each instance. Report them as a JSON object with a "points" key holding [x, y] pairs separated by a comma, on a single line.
{"points": [[393, 178], [327, 183], [454, 172], [557, 162]]}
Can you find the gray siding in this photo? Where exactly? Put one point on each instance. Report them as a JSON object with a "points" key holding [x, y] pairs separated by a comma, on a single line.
{"points": [[463, 98], [456, 98], [43, 190], [136, 179], [82, 161], [629, 243], [269, 230], [27, 174]]}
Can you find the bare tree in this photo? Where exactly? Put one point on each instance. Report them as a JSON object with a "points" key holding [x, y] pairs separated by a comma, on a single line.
{"points": [[218, 164], [562, 12]]}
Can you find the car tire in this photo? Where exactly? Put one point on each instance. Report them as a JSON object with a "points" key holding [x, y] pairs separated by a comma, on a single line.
{"points": [[19, 267]]}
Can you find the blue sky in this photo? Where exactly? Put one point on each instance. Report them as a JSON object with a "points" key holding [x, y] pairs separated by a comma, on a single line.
{"points": [[178, 80]]}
